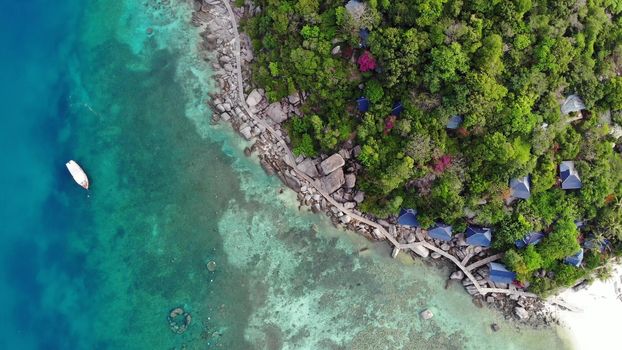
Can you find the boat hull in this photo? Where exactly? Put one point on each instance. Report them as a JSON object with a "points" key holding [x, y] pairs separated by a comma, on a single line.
{"points": [[78, 174]]}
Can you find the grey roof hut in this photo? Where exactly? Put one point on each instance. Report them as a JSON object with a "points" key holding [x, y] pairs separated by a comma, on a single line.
{"points": [[520, 187], [569, 176]]}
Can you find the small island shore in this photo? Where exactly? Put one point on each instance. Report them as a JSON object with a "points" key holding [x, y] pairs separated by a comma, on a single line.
{"points": [[326, 184]]}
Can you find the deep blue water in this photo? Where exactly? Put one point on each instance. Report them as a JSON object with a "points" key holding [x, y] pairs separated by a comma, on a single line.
{"points": [[37, 39]]}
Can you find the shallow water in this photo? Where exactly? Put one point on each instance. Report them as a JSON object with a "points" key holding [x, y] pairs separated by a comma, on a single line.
{"points": [[170, 192]]}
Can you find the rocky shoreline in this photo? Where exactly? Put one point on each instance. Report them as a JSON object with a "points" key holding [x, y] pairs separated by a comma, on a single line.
{"points": [[327, 184]]}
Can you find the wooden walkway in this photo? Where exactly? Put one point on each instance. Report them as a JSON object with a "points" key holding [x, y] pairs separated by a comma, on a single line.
{"points": [[288, 158], [484, 261]]}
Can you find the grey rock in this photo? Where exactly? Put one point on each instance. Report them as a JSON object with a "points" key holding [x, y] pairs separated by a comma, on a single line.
{"points": [[521, 313], [292, 182], [315, 208], [445, 246], [294, 98], [349, 205], [276, 113], [336, 50], [225, 116], [333, 181], [472, 290], [435, 255], [359, 196], [254, 98], [345, 219], [350, 180], [246, 132], [332, 163], [495, 327], [426, 314], [356, 151], [345, 153], [308, 167]]}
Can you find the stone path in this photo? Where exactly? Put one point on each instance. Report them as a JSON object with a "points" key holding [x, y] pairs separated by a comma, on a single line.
{"points": [[289, 159]]}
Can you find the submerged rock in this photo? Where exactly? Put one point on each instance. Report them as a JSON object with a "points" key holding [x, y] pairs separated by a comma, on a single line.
{"points": [[457, 275], [211, 266], [426, 314], [179, 320]]}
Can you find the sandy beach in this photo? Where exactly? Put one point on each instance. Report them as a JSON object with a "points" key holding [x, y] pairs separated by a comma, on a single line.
{"points": [[597, 324]]}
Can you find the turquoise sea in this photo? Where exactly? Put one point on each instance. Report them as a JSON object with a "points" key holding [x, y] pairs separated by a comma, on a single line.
{"points": [[102, 269]]}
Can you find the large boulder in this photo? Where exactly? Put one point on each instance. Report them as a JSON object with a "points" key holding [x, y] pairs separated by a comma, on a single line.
{"points": [[308, 167], [332, 163], [421, 251], [254, 98], [350, 180], [276, 113], [333, 181]]}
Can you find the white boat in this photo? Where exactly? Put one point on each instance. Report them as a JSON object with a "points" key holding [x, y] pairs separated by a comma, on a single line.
{"points": [[78, 174]]}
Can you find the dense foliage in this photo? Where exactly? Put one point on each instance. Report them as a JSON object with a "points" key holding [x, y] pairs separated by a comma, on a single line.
{"points": [[505, 67]]}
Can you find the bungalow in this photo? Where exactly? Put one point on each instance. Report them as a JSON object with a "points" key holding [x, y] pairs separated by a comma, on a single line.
{"points": [[500, 274], [531, 238], [362, 103], [572, 103], [520, 188], [454, 122], [478, 236], [569, 176], [441, 232], [398, 108], [363, 36], [575, 260], [408, 217]]}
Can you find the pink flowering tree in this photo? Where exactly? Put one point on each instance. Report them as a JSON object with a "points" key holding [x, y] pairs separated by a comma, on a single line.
{"points": [[366, 62], [442, 163]]}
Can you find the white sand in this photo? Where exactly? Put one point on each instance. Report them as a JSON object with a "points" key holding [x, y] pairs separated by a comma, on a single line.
{"points": [[597, 325]]}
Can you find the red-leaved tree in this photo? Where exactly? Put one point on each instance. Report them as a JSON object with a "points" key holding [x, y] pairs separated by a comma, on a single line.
{"points": [[442, 163], [366, 62]]}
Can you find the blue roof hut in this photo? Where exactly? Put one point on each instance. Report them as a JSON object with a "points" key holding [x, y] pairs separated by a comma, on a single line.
{"points": [[569, 176], [478, 236], [500, 274], [520, 187], [408, 217], [362, 103], [532, 238], [398, 108], [454, 122], [441, 232], [575, 260], [364, 37]]}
